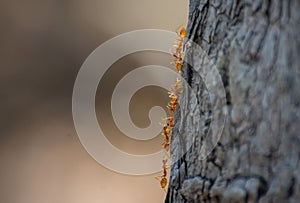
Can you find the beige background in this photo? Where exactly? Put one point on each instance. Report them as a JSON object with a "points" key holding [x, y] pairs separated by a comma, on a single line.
{"points": [[43, 44]]}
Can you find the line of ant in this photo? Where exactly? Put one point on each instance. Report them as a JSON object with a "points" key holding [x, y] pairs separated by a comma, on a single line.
{"points": [[172, 105]]}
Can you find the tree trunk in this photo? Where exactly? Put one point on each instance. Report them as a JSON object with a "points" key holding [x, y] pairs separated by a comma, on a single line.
{"points": [[254, 44]]}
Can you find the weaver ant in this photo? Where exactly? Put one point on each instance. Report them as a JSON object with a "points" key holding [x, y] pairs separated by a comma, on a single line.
{"points": [[163, 178], [173, 94], [167, 132], [178, 54]]}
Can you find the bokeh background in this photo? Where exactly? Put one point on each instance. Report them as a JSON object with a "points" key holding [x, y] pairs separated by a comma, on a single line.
{"points": [[43, 45]]}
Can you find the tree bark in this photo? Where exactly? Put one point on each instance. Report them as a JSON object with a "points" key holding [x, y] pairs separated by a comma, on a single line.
{"points": [[255, 46]]}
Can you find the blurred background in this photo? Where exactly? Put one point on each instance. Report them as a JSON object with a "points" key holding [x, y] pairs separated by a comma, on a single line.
{"points": [[43, 45]]}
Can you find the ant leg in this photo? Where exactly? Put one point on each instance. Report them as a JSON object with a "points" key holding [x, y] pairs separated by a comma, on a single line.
{"points": [[179, 28], [157, 178]]}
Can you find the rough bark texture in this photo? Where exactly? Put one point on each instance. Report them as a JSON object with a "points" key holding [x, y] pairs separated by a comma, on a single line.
{"points": [[255, 45]]}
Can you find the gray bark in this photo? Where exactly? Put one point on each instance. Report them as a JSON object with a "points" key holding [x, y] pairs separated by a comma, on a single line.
{"points": [[255, 46]]}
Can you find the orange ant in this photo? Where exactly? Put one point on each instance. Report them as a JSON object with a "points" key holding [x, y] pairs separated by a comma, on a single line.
{"points": [[175, 88], [167, 132], [166, 144], [163, 178], [172, 104], [173, 94], [178, 55]]}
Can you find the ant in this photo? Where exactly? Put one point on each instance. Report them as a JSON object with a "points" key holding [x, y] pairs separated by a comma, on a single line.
{"points": [[173, 94], [175, 88], [167, 134], [174, 100], [163, 178], [178, 54]]}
